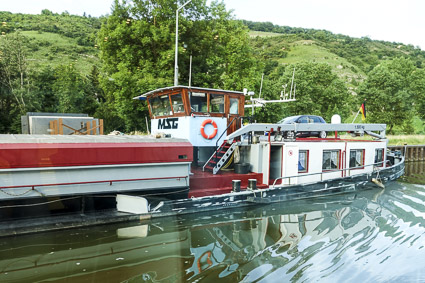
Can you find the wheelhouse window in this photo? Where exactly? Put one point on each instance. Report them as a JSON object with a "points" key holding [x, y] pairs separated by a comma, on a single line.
{"points": [[330, 159], [199, 102], [216, 103], [356, 158], [303, 161], [160, 105], [379, 156], [234, 106], [177, 102]]}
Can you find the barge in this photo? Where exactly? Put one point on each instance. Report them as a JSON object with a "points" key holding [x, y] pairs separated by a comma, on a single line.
{"points": [[204, 154]]}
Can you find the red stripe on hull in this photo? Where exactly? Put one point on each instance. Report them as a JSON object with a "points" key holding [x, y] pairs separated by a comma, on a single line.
{"points": [[28, 155]]}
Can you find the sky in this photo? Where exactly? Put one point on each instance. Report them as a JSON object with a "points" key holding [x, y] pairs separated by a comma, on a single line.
{"points": [[390, 20]]}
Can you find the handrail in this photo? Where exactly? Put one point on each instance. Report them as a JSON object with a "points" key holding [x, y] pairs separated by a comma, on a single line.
{"points": [[225, 131], [217, 148], [216, 143], [329, 171]]}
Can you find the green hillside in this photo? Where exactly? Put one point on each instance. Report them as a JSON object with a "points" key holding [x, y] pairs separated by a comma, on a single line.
{"points": [[55, 39], [350, 58], [46, 48]]}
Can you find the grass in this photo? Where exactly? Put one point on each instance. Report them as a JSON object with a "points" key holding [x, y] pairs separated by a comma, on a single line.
{"points": [[254, 33], [393, 139], [406, 139], [307, 50], [54, 49]]}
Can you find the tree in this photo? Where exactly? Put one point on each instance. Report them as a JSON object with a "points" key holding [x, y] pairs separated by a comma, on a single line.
{"points": [[417, 87], [14, 82], [389, 93], [137, 49], [318, 91]]}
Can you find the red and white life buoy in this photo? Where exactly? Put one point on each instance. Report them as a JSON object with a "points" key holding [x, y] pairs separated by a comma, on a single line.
{"points": [[214, 133]]}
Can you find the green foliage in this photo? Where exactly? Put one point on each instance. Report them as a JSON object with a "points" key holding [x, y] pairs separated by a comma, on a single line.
{"points": [[361, 52], [319, 91], [15, 95], [137, 49], [391, 90]]}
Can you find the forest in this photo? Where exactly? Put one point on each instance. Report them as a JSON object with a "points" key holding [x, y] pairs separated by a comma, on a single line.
{"points": [[65, 63]]}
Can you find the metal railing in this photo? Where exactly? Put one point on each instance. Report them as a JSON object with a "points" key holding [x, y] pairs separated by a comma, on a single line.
{"points": [[377, 167]]}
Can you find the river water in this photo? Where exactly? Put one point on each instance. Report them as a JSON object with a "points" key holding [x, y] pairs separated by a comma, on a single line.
{"points": [[369, 236]]}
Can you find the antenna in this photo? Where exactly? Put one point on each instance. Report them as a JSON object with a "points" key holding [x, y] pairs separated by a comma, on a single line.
{"points": [[292, 83], [259, 102], [190, 71], [261, 86]]}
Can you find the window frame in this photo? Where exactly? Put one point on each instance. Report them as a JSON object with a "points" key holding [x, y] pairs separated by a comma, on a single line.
{"points": [[306, 160], [151, 99], [362, 159], [383, 157], [181, 113], [338, 166]]}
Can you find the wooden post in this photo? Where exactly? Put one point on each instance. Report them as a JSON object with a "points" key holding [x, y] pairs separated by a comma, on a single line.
{"points": [[94, 127], [88, 131], [100, 126], [60, 126], [55, 127], [51, 127]]}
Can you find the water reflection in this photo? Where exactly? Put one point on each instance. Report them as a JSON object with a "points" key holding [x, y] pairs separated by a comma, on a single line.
{"points": [[415, 172], [370, 236]]}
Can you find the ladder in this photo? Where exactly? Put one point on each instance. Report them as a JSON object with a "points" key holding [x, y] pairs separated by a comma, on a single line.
{"points": [[219, 157]]}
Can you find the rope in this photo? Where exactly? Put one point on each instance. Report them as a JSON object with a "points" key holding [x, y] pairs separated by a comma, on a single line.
{"points": [[35, 204], [228, 162], [16, 195]]}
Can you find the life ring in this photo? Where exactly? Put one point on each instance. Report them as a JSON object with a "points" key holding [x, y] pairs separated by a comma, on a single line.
{"points": [[209, 262], [214, 133]]}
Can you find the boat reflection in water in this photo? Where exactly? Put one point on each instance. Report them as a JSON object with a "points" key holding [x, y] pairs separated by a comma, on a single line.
{"points": [[369, 236]]}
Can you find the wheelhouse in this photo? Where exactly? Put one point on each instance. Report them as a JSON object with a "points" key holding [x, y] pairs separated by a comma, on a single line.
{"points": [[203, 116]]}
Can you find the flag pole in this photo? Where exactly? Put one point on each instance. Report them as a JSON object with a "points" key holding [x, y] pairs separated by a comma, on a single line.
{"points": [[355, 117], [360, 109]]}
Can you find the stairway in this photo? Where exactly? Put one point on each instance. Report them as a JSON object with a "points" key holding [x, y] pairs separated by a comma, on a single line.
{"points": [[219, 157]]}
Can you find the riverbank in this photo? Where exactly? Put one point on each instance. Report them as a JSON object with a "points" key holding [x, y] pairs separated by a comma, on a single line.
{"points": [[406, 139]]}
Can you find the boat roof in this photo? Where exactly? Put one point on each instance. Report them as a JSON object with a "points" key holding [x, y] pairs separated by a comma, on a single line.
{"points": [[353, 128], [152, 92], [25, 138]]}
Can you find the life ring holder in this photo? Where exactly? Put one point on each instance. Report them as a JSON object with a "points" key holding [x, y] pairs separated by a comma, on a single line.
{"points": [[214, 133]]}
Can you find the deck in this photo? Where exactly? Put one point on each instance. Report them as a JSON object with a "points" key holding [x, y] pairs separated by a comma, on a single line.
{"points": [[206, 184]]}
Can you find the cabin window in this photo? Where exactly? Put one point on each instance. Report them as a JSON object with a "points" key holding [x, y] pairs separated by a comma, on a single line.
{"points": [[177, 101], [216, 103], [234, 106], [198, 102], [330, 159], [160, 106], [356, 158], [303, 161], [379, 156]]}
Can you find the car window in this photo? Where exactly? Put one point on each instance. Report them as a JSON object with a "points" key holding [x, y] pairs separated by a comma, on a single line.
{"points": [[303, 119], [316, 119], [288, 120]]}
